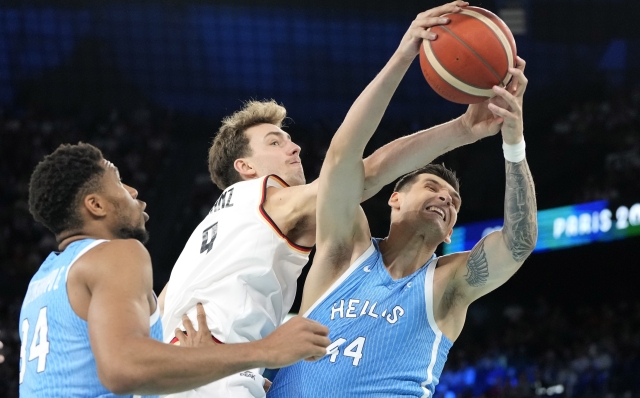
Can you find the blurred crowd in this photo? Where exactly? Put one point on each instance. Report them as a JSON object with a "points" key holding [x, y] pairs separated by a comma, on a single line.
{"points": [[134, 141], [547, 350], [544, 350], [604, 135]]}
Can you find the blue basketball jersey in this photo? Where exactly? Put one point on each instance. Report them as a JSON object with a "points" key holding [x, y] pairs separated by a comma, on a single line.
{"points": [[385, 341], [55, 355]]}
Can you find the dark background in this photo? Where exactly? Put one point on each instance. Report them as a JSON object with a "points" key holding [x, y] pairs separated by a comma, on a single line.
{"points": [[148, 83]]}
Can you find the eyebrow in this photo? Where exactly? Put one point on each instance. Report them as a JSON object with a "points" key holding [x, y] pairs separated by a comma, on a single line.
{"points": [[453, 193], [278, 133]]}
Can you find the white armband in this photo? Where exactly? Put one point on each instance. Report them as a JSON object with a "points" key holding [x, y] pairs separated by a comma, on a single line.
{"points": [[514, 153]]}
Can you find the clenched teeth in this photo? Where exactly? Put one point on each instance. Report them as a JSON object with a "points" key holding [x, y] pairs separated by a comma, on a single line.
{"points": [[437, 210]]}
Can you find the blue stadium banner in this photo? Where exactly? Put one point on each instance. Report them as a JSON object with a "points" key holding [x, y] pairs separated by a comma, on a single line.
{"points": [[562, 227]]}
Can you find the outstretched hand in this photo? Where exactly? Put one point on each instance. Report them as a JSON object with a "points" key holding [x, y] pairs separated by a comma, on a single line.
{"points": [[507, 104], [488, 117], [417, 32]]}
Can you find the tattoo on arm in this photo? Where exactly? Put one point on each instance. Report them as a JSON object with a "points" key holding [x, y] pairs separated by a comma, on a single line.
{"points": [[520, 230], [477, 266]]}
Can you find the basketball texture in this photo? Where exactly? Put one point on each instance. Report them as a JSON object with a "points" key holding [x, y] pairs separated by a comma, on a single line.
{"points": [[471, 55]]}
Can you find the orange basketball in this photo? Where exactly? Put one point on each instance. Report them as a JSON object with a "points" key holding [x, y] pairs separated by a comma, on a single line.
{"points": [[471, 54]]}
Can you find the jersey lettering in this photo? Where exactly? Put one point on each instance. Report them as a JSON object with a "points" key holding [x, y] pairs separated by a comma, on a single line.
{"points": [[351, 309], [223, 201], [208, 237], [353, 350], [39, 344]]}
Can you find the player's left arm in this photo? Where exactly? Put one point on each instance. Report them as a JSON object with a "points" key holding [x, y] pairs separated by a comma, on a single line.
{"points": [[411, 152], [500, 254]]}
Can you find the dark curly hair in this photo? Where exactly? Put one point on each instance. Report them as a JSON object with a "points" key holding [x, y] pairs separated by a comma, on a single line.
{"points": [[439, 170], [60, 181]]}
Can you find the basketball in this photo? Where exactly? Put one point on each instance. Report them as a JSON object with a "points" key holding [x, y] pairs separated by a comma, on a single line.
{"points": [[471, 55]]}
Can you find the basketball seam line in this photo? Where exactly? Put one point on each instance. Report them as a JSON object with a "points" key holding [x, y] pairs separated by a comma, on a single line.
{"points": [[454, 76], [475, 53], [506, 44]]}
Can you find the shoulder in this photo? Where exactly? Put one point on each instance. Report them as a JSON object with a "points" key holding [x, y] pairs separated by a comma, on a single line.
{"points": [[115, 258], [292, 193], [122, 249]]}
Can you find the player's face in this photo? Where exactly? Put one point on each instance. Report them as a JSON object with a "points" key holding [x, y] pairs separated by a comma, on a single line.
{"points": [[432, 203], [273, 152], [126, 217]]}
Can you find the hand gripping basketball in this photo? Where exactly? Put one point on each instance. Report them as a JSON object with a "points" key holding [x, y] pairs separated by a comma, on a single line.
{"points": [[507, 104], [417, 32]]}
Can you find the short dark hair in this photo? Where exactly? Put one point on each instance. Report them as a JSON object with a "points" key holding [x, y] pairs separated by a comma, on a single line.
{"points": [[231, 142], [60, 181], [405, 182]]}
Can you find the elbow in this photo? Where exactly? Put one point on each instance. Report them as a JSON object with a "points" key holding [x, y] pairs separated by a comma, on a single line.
{"points": [[120, 380]]}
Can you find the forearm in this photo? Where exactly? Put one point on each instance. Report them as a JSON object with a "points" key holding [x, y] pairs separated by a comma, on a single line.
{"points": [[151, 367], [409, 153], [520, 231]]}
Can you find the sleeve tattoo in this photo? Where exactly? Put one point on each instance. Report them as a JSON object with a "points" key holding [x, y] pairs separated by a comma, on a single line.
{"points": [[520, 230], [477, 266]]}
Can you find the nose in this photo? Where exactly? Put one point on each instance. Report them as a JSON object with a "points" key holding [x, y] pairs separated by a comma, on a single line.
{"points": [[293, 149], [132, 191], [445, 197]]}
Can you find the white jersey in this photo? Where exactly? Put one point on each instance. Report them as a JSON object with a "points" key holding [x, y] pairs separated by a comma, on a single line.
{"points": [[239, 265]]}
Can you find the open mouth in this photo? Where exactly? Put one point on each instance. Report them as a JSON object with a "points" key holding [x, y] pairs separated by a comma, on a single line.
{"points": [[438, 211]]}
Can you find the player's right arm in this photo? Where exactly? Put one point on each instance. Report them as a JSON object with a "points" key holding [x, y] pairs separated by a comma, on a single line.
{"points": [[342, 232], [130, 362]]}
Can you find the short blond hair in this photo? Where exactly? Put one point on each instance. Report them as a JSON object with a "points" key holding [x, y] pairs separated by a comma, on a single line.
{"points": [[231, 142]]}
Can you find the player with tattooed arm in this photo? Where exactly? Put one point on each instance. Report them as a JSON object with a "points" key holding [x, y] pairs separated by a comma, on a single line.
{"points": [[393, 308]]}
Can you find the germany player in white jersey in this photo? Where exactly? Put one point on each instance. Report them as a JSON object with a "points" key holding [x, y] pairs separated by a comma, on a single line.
{"points": [[243, 260]]}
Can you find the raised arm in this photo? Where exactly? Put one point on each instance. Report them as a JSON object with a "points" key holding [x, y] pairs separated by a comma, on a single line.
{"points": [[119, 280], [411, 152], [342, 176], [499, 255], [341, 228]]}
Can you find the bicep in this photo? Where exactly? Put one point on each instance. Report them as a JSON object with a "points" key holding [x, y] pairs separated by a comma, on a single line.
{"points": [[119, 308], [486, 267], [340, 189]]}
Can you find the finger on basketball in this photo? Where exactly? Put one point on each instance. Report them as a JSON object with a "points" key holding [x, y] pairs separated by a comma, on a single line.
{"points": [[520, 63], [423, 34], [501, 112], [428, 22], [520, 81], [202, 317], [188, 325], [507, 96], [452, 7]]}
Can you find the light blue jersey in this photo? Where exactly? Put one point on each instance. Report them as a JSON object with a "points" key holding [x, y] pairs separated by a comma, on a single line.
{"points": [[385, 341], [55, 355]]}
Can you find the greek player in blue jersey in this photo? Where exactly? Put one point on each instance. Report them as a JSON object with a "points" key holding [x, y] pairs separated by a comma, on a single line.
{"points": [[393, 308], [89, 323]]}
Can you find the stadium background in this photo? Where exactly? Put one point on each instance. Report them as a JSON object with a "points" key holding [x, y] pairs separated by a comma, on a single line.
{"points": [[148, 83]]}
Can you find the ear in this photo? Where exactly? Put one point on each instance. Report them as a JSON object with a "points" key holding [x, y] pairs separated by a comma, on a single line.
{"points": [[245, 169], [395, 200], [95, 205], [447, 239]]}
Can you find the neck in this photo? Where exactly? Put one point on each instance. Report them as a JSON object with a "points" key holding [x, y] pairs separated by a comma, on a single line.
{"points": [[68, 237], [404, 252]]}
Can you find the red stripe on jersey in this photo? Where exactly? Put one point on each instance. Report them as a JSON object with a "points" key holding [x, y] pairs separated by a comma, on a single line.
{"points": [[293, 245]]}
